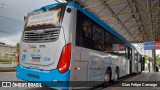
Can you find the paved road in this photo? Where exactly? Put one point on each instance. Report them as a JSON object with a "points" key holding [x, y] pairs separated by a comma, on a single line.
{"points": [[5, 65], [141, 77], [10, 76]]}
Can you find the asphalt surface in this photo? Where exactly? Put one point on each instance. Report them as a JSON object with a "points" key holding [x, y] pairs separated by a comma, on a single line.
{"points": [[7, 67], [143, 78], [11, 76]]}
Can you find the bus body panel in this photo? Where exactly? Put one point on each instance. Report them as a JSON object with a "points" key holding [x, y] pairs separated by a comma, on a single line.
{"points": [[69, 25], [95, 66], [80, 70], [49, 56], [128, 67], [98, 62], [139, 67], [30, 74]]}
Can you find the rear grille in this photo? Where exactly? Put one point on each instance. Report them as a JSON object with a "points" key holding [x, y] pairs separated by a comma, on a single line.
{"points": [[41, 35]]}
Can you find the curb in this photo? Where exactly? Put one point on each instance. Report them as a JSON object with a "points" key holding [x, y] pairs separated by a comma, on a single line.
{"points": [[7, 69]]}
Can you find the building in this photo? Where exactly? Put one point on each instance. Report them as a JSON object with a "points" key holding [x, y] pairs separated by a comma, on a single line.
{"points": [[7, 51]]}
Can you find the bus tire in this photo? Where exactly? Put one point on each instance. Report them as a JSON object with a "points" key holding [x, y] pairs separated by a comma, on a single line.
{"points": [[116, 75], [107, 78]]}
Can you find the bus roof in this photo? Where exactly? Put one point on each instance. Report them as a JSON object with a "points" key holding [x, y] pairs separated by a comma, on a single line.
{"points": [[100, 22]]}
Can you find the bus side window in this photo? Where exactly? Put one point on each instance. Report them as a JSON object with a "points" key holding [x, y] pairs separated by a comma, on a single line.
{"points": [[87, 28], [93, 36], [113, 44], [98, 38], [87, 33], [79, 29], [107, 43], [84, 31]]}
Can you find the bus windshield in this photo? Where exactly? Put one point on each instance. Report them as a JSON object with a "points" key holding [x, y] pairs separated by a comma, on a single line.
{"points": [[44, 19]]}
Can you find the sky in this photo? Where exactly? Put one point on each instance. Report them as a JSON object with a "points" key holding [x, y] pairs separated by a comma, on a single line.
{"points": [[12, 14]]}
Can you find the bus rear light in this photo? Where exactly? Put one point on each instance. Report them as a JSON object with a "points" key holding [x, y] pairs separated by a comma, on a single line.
{"points": [[77, 68], [64, 62], [18, 58]]}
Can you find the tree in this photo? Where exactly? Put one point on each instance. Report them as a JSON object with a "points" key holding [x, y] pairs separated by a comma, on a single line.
{"points": [[2, 43], [158, 59], [146, 58], [17, 46], [17, 50]]}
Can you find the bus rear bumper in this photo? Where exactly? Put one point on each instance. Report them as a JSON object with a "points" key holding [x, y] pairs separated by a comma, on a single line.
{"points": [[49, 78]]}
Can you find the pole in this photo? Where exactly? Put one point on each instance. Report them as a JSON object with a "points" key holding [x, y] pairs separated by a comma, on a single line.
{"points": [[149, 65], [154, 59]]}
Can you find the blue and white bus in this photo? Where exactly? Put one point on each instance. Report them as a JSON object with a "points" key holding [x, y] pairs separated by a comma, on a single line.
{"points": [[64, 42]]}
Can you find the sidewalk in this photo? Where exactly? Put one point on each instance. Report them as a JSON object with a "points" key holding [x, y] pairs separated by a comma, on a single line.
{"points": [[7, 68]]}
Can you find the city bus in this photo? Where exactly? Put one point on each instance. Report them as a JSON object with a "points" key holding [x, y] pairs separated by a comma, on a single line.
{"points": [[64, 42]]}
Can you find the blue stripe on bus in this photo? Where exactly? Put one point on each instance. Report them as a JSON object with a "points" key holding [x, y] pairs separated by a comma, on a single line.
{"points": [[100, 22], [44, 77]]}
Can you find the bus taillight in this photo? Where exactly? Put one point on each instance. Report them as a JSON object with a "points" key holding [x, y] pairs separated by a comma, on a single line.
{"points": [[18, 58], [64, 61]]}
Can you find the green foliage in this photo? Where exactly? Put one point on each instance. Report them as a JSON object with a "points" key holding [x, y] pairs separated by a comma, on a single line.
{"points": [[158, 59], [17, 50], [2, 43], [146, 58], [8, 60]]}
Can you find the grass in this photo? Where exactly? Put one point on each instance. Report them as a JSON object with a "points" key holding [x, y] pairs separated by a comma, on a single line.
{"points": [[8, 60]]}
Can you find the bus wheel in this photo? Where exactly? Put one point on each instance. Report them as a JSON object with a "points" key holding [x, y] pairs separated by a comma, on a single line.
{"points": [[107, 78], [116, 75]]}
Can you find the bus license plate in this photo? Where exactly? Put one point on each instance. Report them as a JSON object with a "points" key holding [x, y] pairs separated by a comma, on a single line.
{"points": [[35, 59]]}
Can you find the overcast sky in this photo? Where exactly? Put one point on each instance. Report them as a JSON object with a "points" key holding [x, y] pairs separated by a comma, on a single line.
{"points": [[12, 13]]}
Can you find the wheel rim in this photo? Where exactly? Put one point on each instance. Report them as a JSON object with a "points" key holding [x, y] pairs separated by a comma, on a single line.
{"points": [[106, 78], [116, 76]]}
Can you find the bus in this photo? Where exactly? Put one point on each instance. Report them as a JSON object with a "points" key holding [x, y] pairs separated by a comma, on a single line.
{"points": [[64, 42]]}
